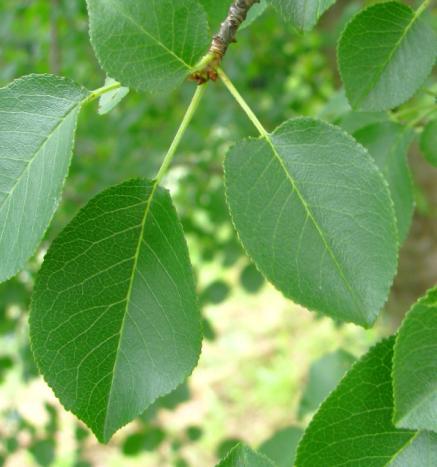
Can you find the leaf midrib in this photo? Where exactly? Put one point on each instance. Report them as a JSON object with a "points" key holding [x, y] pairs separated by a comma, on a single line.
{"points": [[148, 34], [310, 214], [366, 92], [128, 297]]}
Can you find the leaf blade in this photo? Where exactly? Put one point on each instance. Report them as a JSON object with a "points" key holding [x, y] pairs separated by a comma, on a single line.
{"points": [[389, 69], [39, 115], [243, 456], [122, 269], [414, 375], [296, 203], [148, 45]]}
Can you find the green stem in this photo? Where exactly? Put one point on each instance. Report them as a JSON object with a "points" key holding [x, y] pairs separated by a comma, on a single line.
{"points": [[100, 91], [425, 4], [242, 103], [194, 104]]}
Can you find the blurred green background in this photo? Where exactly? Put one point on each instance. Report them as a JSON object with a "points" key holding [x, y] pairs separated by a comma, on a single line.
{"points": [[259, 373]]}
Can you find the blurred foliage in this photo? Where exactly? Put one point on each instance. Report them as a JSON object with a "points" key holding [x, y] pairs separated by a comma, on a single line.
{"points": [[282, 74]]}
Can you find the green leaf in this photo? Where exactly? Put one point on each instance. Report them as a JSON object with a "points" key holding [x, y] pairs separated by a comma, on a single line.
{"points": [[415, 367], [385, 54], [281, 447], [111, 99], [324, 376], [38, 115], [304, 14], [217, 10], [315, 215], [388, 144], [353, 426], [242, 456], [216, 293], [148, 45], [254, 13], [114, 322], [428, 143], [420, 452]]}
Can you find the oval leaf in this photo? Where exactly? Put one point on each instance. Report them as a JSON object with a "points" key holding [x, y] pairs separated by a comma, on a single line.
{"points": [[415, 367], [315, 215], [242, 456], [114, 321], [385, 55], [38, 115], [304, 14], [148, 45], [388, 144], [353, 426]]}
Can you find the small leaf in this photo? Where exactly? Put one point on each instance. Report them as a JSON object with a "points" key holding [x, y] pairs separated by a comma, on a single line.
{"points": [[281, 447], [388, 144], [217, 11], [148, 45], [420, 452], [304, 14], [38, 115], [428, 142], [216, 293], [114, 321], [324, 376], [353, 426], [254, 13], [111, 99], [385, 54], [315, 215], [415, 367], [242, 456]]}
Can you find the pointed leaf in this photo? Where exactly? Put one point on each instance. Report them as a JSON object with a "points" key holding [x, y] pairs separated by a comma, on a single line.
{"points": [[114, 321], [38, 115], [415, 367], [148, 45], [315, 215], [242, 456], [353, 426], [388, 144], [304, 14], [385, 55]]}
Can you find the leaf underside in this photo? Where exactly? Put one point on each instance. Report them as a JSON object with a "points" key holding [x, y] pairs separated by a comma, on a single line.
{"points": [[385, 54], [415, 367], [114, 321], [38, 115], [314, 213], [148, 45]]}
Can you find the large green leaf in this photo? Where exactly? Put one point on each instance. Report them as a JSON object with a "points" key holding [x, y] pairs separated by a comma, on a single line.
{"points": [[314, 213], [385, 54], [353, 426], [242, 456], [149, 45], [325, 373], [388, 144], [420, 452], [304, 14], [415, 367], [114, 321], [38, 115], [281, 447]]}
